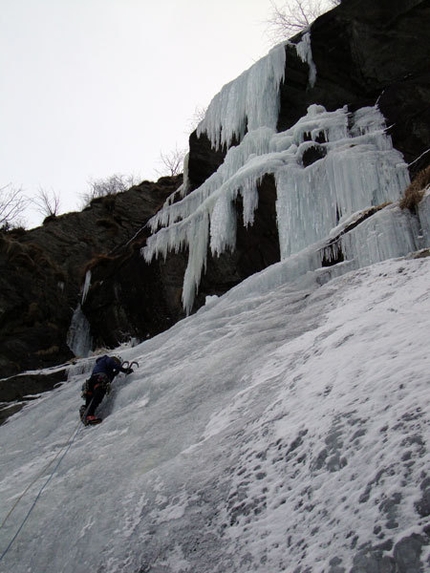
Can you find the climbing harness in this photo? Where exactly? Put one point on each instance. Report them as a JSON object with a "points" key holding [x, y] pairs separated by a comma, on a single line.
{"points": [[60, 456], [102, 379], [94, 382]]}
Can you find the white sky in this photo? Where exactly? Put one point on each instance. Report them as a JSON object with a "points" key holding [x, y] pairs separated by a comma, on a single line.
{"points": [[90, 88]]}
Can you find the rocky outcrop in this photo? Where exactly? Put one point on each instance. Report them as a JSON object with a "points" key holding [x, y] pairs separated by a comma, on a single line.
{"points": [[42, 271], [16, 391], [372, 51], [130, 298], [365, 52]]}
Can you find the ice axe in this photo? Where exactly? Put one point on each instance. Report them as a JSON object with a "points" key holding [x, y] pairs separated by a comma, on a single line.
{"points": [[129, 365]]}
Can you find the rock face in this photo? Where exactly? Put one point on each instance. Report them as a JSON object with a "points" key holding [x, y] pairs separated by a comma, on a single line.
{"points": [[379, 58], [129, 298], [364, 51], [42, 271]]}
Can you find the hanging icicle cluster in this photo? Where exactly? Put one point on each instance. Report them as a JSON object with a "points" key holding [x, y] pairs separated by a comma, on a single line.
{"points": [[328, 166]]}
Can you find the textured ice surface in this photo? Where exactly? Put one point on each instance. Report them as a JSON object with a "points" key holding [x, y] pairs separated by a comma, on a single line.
{"points": [[327, 167], [279, 428]]}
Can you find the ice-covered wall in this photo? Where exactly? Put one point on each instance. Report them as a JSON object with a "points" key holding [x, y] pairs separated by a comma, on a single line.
{"points": [[304, 51], [248, 102], [327, 167], [79, 336], [358, 167]]}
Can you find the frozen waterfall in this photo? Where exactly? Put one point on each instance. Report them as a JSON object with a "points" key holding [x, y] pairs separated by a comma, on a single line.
{"points": [[328, 167], [353, 166]]}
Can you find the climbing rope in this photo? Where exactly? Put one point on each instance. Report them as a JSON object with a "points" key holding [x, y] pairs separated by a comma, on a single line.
{"points": [[60, 456]]}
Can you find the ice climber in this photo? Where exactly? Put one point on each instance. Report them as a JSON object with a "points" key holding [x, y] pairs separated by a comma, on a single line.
{"points": [[98, 385]]}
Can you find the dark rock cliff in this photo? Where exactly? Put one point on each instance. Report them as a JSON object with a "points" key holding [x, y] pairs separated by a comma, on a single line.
{"points": [[41, 276], [365, 51]]}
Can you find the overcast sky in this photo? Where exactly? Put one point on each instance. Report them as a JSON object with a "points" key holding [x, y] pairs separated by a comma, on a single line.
{"points": [[90, 88]]}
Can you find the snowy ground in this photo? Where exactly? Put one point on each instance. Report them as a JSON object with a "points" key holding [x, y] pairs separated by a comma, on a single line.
{"points": [[280, 429]]}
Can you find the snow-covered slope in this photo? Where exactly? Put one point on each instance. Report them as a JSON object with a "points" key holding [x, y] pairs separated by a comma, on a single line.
{"points": [[281, 428]]}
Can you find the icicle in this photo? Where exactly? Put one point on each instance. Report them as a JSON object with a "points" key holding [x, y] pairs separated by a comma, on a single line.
{"points": [[86, 287], [79, 337], [249, 193], [326, 167], [304, 51], [223, 226], [185, 187], [247, 103], [197, 239]]}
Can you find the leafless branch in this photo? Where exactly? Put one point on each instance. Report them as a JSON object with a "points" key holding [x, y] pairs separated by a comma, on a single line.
{"points": [[12, 205], [172, 162], [294, 16], [197, 117], [48, 204], [111, 185]]}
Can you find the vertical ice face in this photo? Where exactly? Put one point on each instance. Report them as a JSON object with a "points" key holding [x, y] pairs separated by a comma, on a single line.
{"points": [[355, 167], [327, 166], [304, 51], [387, 234], [248, 102], [79, 336], [86, 286]]}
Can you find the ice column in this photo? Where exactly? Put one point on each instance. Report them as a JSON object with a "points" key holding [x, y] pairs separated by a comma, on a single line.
{"points": [[79, 337], [357, 167], [304, 51]]}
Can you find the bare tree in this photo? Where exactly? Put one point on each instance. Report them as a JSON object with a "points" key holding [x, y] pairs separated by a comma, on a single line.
{"points": [[48, 204], [294, 16], [12, 205], [172, 162], [197, 117], [111, 185]]}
